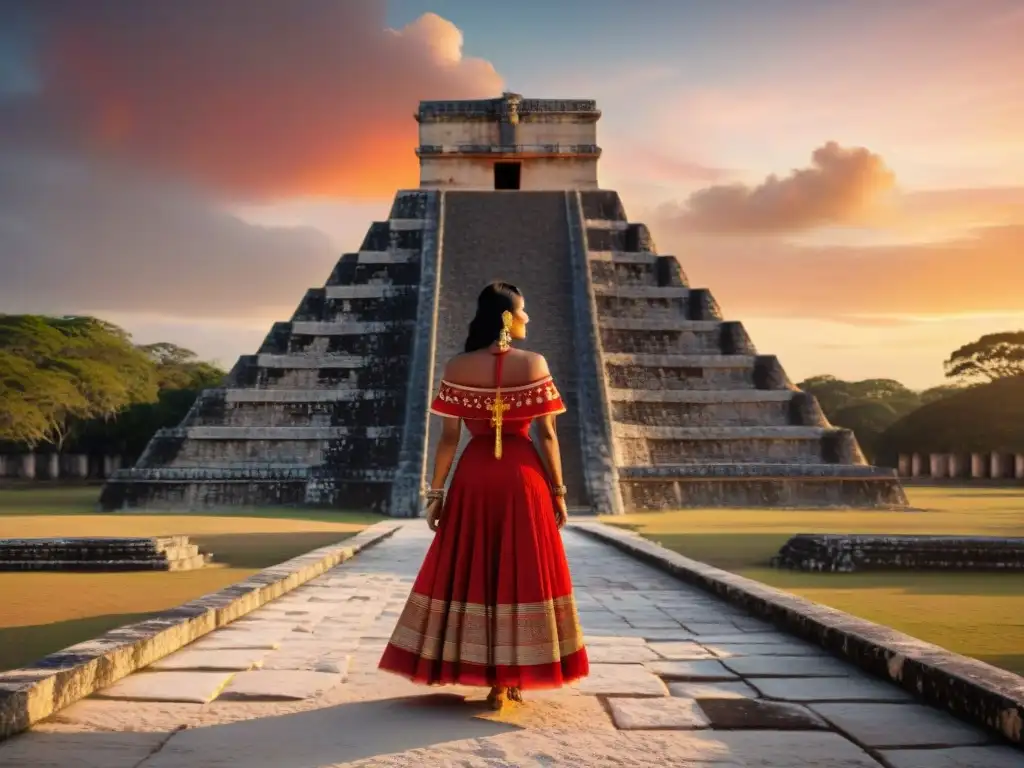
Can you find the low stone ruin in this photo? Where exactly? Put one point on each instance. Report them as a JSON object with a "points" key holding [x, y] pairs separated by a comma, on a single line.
{"points": [[843, 553], [160, 553]]}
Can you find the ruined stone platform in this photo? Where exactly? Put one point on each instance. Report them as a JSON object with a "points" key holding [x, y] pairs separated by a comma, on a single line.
{"points": [[848, 553], [678, 678], [160, 553]]}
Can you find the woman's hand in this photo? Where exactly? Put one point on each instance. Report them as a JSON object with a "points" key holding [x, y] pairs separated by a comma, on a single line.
{"points": [[561, 511], [434, 509]]}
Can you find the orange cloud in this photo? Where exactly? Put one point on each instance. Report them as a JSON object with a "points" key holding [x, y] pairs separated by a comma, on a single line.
{"points": [[976, 274], [278, 101], [842, 186]]}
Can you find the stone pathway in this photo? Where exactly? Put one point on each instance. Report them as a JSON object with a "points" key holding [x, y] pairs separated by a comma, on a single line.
{"points": [[678, 679]]}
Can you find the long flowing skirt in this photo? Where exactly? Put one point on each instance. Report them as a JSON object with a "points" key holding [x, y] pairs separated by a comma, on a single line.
{"points": [[493, 603]]}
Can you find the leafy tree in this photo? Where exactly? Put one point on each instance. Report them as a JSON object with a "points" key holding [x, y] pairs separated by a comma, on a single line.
{"points": [[180, 368], [987, 417], [992, 357], [68, 369], [869, 407]]}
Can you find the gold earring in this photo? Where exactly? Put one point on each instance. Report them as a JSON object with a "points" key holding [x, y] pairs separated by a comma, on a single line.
{"points": [[505, 337]]}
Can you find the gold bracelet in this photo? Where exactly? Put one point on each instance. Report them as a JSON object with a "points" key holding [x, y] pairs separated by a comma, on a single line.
{"points": [[434, 494], [558, 491]]}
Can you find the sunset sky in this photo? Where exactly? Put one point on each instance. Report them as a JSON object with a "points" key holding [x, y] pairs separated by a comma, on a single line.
{"points": [[847, 177]]}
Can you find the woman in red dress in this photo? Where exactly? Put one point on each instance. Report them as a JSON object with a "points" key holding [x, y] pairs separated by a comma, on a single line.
{"points": [[493, 603]]}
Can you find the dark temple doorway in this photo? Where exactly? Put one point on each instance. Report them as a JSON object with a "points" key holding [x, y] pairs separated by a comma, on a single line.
{"points": [[506, 175]]}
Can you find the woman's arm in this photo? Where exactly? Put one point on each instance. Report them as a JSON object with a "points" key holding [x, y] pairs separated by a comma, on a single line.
{"points": [[547, 446], [451, 432]]}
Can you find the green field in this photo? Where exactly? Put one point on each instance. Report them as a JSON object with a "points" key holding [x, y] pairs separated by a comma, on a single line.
{"points": [[976, 614], [44, 612]]}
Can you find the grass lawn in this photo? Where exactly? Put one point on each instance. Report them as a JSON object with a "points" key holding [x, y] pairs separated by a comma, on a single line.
{"points": [[44, 612], [976, 614]]}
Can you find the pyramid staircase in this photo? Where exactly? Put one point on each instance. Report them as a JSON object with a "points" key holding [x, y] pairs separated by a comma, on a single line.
{"points": [[318, 414], [697, 416]]}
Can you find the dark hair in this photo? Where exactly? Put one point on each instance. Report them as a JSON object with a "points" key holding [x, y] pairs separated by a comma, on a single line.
{"points": [[494, 300]]}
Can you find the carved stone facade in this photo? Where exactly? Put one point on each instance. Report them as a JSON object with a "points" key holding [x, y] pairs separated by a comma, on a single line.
{"points": [[546, 144], [669, 403]]}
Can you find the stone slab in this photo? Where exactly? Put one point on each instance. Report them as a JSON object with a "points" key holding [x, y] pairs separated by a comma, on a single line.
{"points": [[620, 654], [828, 689], [595, 640], [681, 650], [901, 725], [751, 638], [621, 680], [712, 689], [232, 660], [955, 757], [757, 714], [729, 650], [279, 685], [187, 687], [656, 714], [794, 749], [984, 695], [788, 666], [30, 695], [691, 670], [79, 750], [229, 639], [666, 635]]}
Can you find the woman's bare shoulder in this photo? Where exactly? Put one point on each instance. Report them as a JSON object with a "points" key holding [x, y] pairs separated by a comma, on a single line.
{"points": [[536, 365]]}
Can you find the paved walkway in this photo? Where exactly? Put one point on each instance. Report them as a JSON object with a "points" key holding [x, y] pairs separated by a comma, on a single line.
{"points": [[679, 679]]}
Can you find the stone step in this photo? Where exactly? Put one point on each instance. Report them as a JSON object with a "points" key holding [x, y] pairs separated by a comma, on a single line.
{"points": [[367, 291], [753, 470], [212, 473], [307, 395], [680, 361], [660, 324], [615, 224], [184, 564], [680, 373], [707, 408], [265, 360], [394, 256], [694, 341], [700, 396], [310, 328], [759, 484], [650, 432], [100, 554], [623, 257], [642, 292], [659, 445], [277, 433]]}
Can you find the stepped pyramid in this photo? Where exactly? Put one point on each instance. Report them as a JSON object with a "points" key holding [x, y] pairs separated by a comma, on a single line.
{"points": [[670, 405]]}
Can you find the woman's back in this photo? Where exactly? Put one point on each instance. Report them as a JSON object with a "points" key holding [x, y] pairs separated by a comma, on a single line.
{"points": [[478, 369]]}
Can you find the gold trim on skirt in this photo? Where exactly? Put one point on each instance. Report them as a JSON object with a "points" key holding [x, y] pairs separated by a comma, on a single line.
{"points": [[522, 634]]}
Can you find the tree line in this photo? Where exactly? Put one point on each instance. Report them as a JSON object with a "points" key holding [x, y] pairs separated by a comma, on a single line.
{"points": [[977, 411], [78, 383]]}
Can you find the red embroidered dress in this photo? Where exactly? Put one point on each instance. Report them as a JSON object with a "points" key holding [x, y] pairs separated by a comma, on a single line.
{"points": [[493, 603]]}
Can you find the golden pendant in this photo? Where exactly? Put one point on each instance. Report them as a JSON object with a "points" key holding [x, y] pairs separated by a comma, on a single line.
{"points": [[497, 418]]}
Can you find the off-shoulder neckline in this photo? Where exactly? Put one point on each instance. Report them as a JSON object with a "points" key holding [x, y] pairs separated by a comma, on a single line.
{"points": [[517, 388]]}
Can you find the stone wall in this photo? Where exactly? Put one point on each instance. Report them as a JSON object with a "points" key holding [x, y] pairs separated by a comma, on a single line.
{"points": [[840, 553]]}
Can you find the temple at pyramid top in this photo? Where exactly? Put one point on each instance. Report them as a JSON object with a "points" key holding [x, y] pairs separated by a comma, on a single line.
{"points": [[508, 143]]}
